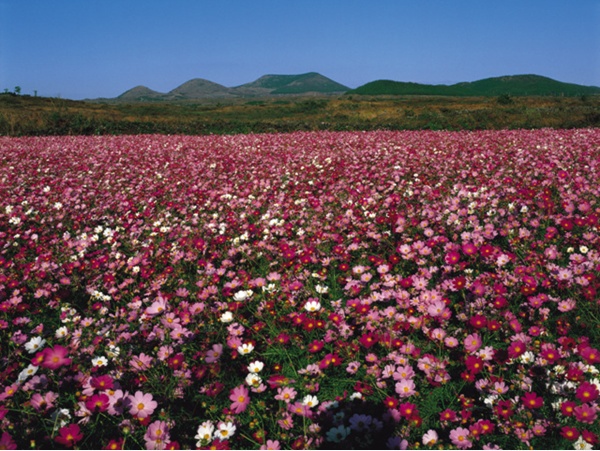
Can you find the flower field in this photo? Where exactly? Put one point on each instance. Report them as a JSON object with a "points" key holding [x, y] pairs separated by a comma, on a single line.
{"points": [[305, 290]]}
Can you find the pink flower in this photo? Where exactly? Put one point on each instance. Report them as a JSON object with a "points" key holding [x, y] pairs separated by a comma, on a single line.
{"points": [[7, 442], [515, 349], [55, 357], [157, 307], [532, 401], [585, 413], [97, 403], [140, 362], [214, 354], [460, 438], [118, 402], [405, 388], [104, 382], [286, 394], [299, 409], [587, 392], [271, 444], [590, 355], [142, 404], [472, 342], [157, 435], [240, 398], [69, 435], [44, 402]]}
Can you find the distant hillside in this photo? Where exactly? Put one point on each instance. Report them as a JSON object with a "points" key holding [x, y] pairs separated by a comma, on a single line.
{"points": [[140, 93], [515, 85], [293, 84], [199, 88], [267, 85]]}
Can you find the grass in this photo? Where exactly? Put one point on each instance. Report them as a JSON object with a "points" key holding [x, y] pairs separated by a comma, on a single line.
{"points": [[37, 116]]}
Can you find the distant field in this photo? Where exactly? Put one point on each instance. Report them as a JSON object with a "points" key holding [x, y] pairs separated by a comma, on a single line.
{"points": [[25, 115]]}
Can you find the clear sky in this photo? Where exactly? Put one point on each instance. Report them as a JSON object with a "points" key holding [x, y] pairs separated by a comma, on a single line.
{"points": [[100, 48]]}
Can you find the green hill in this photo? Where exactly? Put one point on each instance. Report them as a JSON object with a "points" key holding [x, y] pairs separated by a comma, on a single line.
{"points": [[293, 84], [514, 85]]}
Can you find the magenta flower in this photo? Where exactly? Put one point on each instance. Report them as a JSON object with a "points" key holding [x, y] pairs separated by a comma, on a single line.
{"points": [[532, 401], [585, 413], [240, 397], [55, 357], [587, 392], [69, 435], [142, 404], [7, 442]]}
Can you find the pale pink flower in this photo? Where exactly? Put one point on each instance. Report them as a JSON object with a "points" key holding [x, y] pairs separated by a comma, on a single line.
{"points": [[157, 435], [286, 394], [405, 388], [460, 438], [142, 404], [472, 342], [214, 354]]}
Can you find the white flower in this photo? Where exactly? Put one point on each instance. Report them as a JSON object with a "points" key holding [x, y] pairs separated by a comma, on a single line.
{"points": [[256, 366], [583, 249], [582, 444], [253, 380], [61, 332], [205, 433], [321, 289], [310, 401], [246, 348], [61, 416], [227, 317], [312, 306], [100, 361], [527, 357], [113, 351], [502, 260], [35, 344], [27, 373], [225, 430], [430, 438], [242, 295]]}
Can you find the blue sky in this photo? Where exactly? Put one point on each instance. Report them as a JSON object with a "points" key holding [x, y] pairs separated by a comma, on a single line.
{"points": [[100, 48]]}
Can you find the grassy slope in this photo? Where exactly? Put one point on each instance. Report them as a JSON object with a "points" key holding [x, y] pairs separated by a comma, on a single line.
{"points": [[518, 85], [23, 115]]}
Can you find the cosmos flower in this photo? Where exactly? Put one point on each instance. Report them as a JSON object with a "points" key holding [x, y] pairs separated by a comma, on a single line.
{"points": [[240, 397], [141, 405]]}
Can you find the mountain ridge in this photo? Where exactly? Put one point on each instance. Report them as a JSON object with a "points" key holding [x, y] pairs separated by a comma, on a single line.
{"points": [[317, 84], [266, 85], [515, 85]]}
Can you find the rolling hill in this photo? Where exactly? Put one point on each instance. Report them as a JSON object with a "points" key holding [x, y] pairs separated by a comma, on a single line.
{"points": [[292, 84], [267, 85], [514, 85]]}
